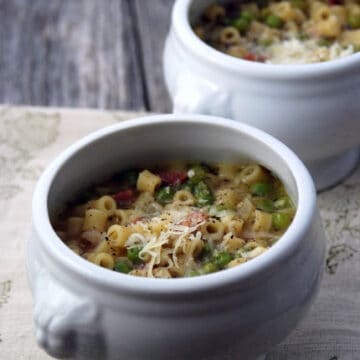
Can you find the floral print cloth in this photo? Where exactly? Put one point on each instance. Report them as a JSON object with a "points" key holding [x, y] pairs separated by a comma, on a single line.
{"points": [[31, 137]]}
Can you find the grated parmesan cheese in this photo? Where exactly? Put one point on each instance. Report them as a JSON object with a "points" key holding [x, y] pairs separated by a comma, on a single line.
{"points": [[294, 51], [173, 231]]}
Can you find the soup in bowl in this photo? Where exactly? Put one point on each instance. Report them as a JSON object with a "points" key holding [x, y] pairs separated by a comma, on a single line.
{"points": [[179, 219], [86, 310], [282, 32], [312, 107]]}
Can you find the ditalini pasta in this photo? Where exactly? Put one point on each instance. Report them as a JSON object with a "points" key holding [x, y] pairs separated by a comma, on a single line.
{"points": [[282, 32], [178, 220]]}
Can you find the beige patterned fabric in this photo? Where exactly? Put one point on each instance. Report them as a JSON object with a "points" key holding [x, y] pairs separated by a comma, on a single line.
{"points": [[31, 137]]}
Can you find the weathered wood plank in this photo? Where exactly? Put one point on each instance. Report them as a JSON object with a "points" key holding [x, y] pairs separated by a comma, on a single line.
{"points": [[153, 19], [69, 53]]}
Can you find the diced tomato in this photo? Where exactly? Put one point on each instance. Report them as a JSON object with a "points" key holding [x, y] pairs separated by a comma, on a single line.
{"points": [[124, 195], [173, 177], [250, 57], [254, 57], [335, 2], [194, 218]]}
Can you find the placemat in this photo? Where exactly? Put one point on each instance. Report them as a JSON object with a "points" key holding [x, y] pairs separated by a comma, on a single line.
{"points": [[31, 137]]}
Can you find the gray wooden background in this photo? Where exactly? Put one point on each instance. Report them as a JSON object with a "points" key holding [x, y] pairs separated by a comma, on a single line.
{"points": [[84, 53]]}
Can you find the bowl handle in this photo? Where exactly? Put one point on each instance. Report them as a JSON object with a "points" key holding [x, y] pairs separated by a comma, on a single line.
{"points": [[193, 94], [66, 324]]}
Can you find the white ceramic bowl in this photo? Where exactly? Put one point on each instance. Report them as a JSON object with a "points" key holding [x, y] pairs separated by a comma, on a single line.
{"points": [[85, 311], [313, 108]]}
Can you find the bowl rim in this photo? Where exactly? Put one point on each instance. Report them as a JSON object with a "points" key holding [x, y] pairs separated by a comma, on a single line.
{"points": [[106, 279], [205, 53]]}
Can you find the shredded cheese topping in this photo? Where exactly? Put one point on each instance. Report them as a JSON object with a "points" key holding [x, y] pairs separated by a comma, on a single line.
{"points": [[173, 232]]}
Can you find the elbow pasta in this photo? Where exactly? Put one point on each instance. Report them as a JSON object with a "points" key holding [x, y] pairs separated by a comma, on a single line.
{"points": [[104, 260], [94, 219], [227, 197], [262, 222], [228, 171], [282, 32], [351, 37], [250, 174], [213, 230], [117, 235], [328, 28], [184, 197], [179, 220], [106, 204], [230, 36], [147, 182], [283, 10]]}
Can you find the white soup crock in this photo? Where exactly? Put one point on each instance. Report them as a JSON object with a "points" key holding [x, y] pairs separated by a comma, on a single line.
{"points": [[83, 311], [312, 108]]}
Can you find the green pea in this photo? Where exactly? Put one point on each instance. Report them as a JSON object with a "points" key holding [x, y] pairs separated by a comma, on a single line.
{"points": [[187, 186], [164, 195], [274, 21], [222, 207], [194, 273], [133, 254], [264, 204], [131, 177], [324, 42], [265, 12], [283, 203], [260, 189], [265, 42], [123, 267], [209, 267], [247, 15], [127, 178], [280, 221], [241, 24], [196, 174], [206, 251], [203, 194], [303, 36], [354, 21], [222, 259]]}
